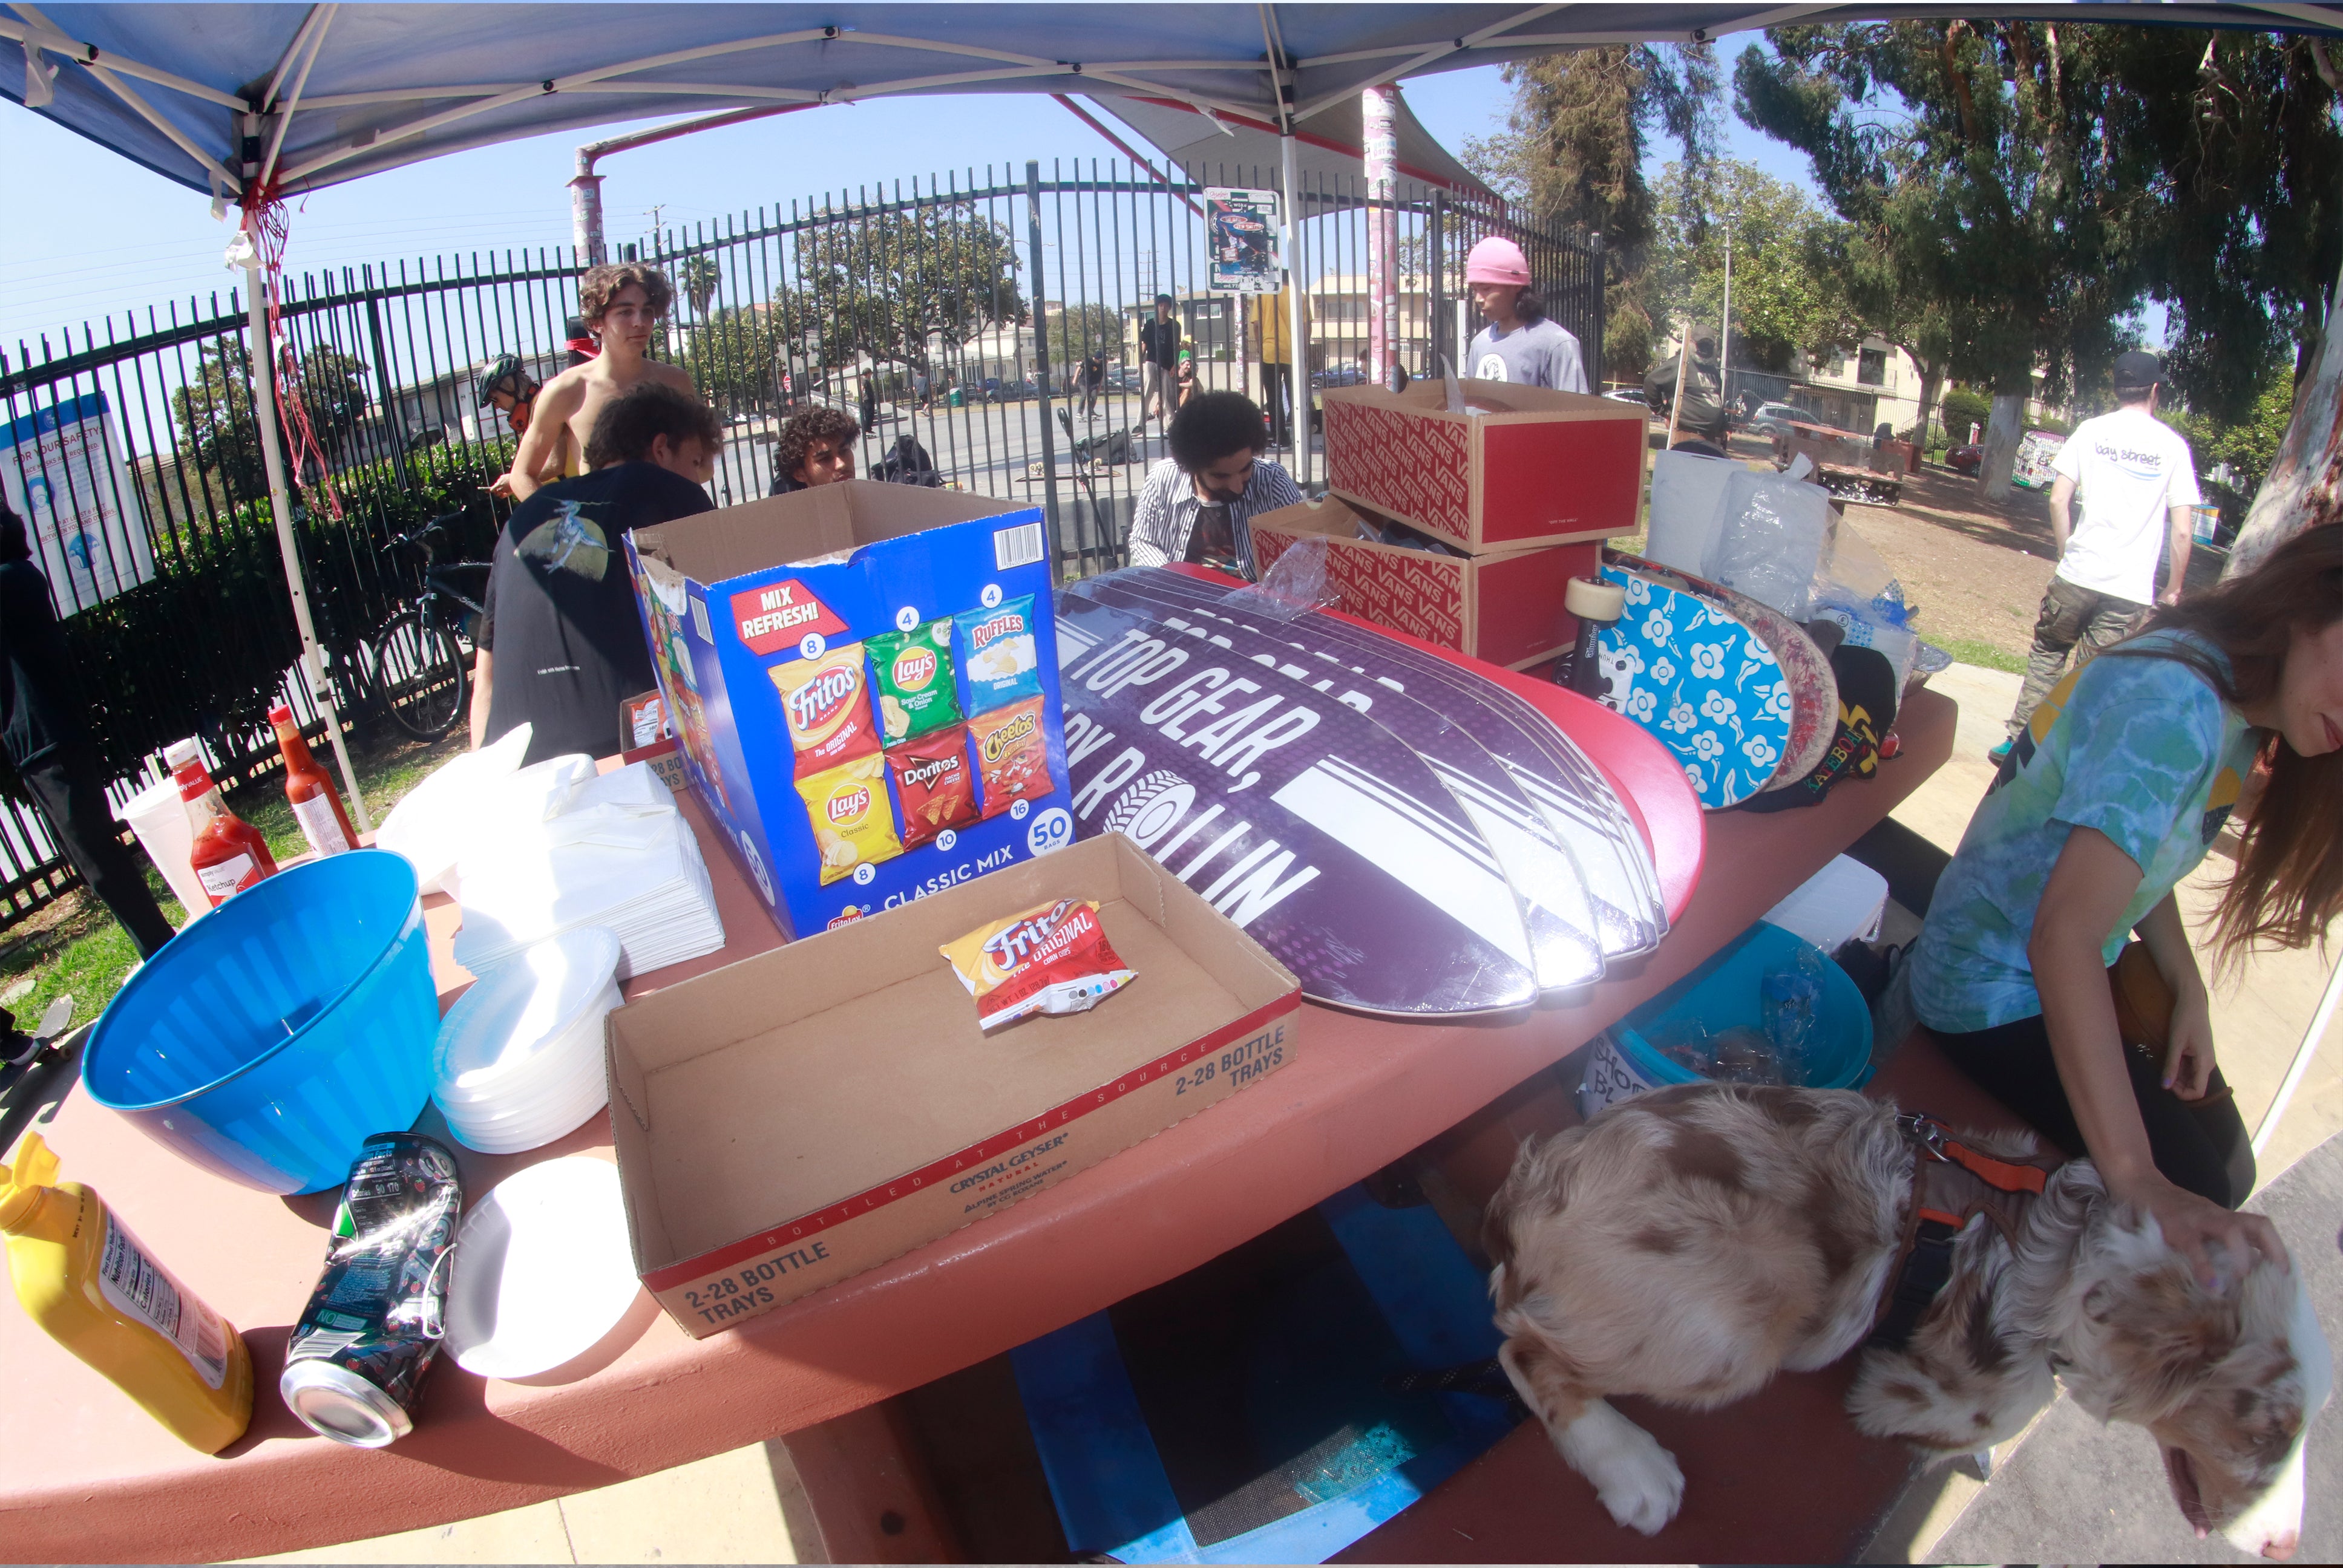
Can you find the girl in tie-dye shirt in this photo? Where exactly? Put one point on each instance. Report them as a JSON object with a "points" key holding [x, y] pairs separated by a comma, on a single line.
{"points": [[2114, 792]]}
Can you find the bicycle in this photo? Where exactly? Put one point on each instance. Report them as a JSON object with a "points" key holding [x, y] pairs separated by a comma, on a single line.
{"points": [[414, 662]]}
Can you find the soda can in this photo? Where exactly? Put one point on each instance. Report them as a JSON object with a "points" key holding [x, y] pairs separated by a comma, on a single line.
{"points": [[354, 1370]]}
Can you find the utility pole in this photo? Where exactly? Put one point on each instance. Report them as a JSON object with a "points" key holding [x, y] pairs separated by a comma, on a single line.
{"points": [[1725, 328]]}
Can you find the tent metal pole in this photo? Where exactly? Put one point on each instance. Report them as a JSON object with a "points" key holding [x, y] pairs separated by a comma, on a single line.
{"points": [[1041, 370], [1378, 111], [280, 502], [2300, 1066], [1296, 321]]}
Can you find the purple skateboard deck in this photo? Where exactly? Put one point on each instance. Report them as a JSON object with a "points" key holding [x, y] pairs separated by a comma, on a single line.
{"points": [[1577, 800], [1565, 949], [1310, 826]]}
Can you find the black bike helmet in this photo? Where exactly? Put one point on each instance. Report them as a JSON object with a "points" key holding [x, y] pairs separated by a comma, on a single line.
{"points": [[505, 367]]}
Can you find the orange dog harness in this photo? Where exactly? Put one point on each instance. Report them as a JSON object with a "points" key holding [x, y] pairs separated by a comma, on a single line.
{"points": [[1951, 1185]]}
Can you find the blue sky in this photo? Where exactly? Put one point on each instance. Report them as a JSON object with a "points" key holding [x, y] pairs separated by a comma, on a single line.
{"points": [[91, 234]]}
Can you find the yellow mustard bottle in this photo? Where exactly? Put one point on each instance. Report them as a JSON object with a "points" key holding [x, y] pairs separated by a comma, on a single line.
{"points": [[87, 1281]]}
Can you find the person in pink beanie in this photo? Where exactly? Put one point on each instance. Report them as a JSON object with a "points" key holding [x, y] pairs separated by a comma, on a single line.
{"points": [[1520, 343]]}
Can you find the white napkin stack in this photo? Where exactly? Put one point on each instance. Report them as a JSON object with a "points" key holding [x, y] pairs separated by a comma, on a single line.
{"points": [[553, 853]]}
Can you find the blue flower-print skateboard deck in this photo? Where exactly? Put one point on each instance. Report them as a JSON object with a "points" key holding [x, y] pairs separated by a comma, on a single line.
{"points": [[1701, 683]]}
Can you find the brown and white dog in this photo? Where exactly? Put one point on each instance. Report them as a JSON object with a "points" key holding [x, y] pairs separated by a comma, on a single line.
{"points": [[1687, 1244]]}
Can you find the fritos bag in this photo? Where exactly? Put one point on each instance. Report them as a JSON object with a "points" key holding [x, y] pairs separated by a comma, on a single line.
{"points": [[1051, 958], [826, 704]]}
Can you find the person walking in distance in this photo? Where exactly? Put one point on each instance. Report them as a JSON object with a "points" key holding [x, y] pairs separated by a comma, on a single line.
{"points": [[44, 732], [620, 304], [1520, 343], [1159, 352], [2138, 483]]}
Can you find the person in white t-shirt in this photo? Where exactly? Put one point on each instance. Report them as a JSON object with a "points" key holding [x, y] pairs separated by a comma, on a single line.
{"points": [[1522, 344], [2138, 484]]}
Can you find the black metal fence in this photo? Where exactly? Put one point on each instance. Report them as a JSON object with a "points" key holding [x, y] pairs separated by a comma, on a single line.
{"points": [[982, 329]]}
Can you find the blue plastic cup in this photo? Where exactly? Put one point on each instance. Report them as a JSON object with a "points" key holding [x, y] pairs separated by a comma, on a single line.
{"points": [[268, 1040]]}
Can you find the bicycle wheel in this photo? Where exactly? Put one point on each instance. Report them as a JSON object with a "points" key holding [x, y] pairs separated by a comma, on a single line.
{"points": [[419, 674]]}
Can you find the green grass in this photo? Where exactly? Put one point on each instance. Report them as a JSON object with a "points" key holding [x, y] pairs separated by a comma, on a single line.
{"points": [[1972, 652], [81, 953]]}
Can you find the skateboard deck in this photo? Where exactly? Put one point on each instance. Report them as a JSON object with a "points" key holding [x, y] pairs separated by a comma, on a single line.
{"points": [[1328, 840], [1565, 946], [1814, 689], [1702, 683], [1584, 808]]}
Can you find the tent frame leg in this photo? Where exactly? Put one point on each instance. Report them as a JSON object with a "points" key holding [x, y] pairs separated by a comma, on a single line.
{"points": [[280, 503]]}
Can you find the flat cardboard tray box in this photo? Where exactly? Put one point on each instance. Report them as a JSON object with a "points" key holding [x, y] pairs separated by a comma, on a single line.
{"points": [[798, 1117]]}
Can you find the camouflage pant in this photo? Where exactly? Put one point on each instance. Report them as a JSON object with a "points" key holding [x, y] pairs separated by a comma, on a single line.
{"points": [[2070, 615]]}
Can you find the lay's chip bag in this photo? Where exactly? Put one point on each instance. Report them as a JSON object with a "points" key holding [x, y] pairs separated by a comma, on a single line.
{"points": [[825, 702], [1051, 958], [854, 823], [997, 655], [911, 675]]}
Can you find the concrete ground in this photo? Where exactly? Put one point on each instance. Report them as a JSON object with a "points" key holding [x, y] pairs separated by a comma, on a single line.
{"points": [[746, 1507]]}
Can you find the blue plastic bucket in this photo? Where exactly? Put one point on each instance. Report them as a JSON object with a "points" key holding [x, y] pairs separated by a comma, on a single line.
{"points": [[266, 1041], [1722, 994]]}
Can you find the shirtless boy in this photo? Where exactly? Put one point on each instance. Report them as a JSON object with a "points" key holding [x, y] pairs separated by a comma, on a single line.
{"points": [[621, 304]]}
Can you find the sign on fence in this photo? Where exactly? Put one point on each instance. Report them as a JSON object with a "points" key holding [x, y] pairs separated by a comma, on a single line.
{"points": [[58, 470], [1242, 240]]}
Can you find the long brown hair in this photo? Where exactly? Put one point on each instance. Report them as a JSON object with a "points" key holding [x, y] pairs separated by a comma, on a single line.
{"points": [[2289, 877]]}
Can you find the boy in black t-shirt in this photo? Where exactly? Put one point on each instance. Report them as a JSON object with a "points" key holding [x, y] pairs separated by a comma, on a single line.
{"points": [[561, 630]]}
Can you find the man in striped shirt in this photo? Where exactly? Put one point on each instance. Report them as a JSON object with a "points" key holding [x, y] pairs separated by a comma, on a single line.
{"points": [[1198, 504]]}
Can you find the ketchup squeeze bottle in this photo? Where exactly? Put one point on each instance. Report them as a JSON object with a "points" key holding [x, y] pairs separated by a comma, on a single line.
{"points": [[228, 853], [310, 790]]}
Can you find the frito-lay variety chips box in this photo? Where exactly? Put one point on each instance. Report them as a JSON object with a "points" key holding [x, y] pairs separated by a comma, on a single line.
{"points": [[793, 1120], [821, 655], [1505, 609], [1525, 466]]}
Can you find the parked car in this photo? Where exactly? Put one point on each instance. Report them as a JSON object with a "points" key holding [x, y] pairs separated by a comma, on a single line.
{"points": [[1776, 418], [1966, 460], [1123, 378], [1340, 375], [1017, 391], [1628, 395]]}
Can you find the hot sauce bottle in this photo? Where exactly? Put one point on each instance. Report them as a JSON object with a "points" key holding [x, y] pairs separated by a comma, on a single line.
{"points": [[228, 853], [316, 806]]}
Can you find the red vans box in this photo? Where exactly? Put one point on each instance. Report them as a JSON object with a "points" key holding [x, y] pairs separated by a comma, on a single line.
{"points": [[1534, 467], [1504, 607]]}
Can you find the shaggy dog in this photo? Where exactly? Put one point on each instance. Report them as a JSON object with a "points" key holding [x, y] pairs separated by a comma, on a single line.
{"points": [[1686, 1244]]}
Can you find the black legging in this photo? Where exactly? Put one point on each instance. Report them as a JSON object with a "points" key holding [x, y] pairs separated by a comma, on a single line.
{"points": [[2198, 1145]]}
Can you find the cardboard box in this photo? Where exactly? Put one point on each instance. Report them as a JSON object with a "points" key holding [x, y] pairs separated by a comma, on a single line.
{"points": [[741, 602], [1553, 468], [1505, 609], [798, 1117]]}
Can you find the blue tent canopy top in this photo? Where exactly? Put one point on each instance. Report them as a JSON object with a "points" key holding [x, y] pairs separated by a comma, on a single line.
{"points": [[329, 91]]}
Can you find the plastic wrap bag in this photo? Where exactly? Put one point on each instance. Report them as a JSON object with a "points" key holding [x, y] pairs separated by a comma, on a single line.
{"points": [[1771, 536], [1295, 585]]}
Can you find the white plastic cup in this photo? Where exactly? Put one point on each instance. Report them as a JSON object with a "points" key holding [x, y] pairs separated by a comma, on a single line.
{"points": [[159, 818]]}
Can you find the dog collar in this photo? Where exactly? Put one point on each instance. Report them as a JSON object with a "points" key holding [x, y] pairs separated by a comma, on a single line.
{"points": [[1951, 1185]]}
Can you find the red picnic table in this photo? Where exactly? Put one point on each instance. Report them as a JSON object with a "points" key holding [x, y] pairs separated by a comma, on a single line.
{"points": [[91, 1477]]}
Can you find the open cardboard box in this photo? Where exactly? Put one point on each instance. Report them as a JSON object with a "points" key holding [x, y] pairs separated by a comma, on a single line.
{"points": [[736, 600], [800, 1116], [1540, 468], [1505, 609]]}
